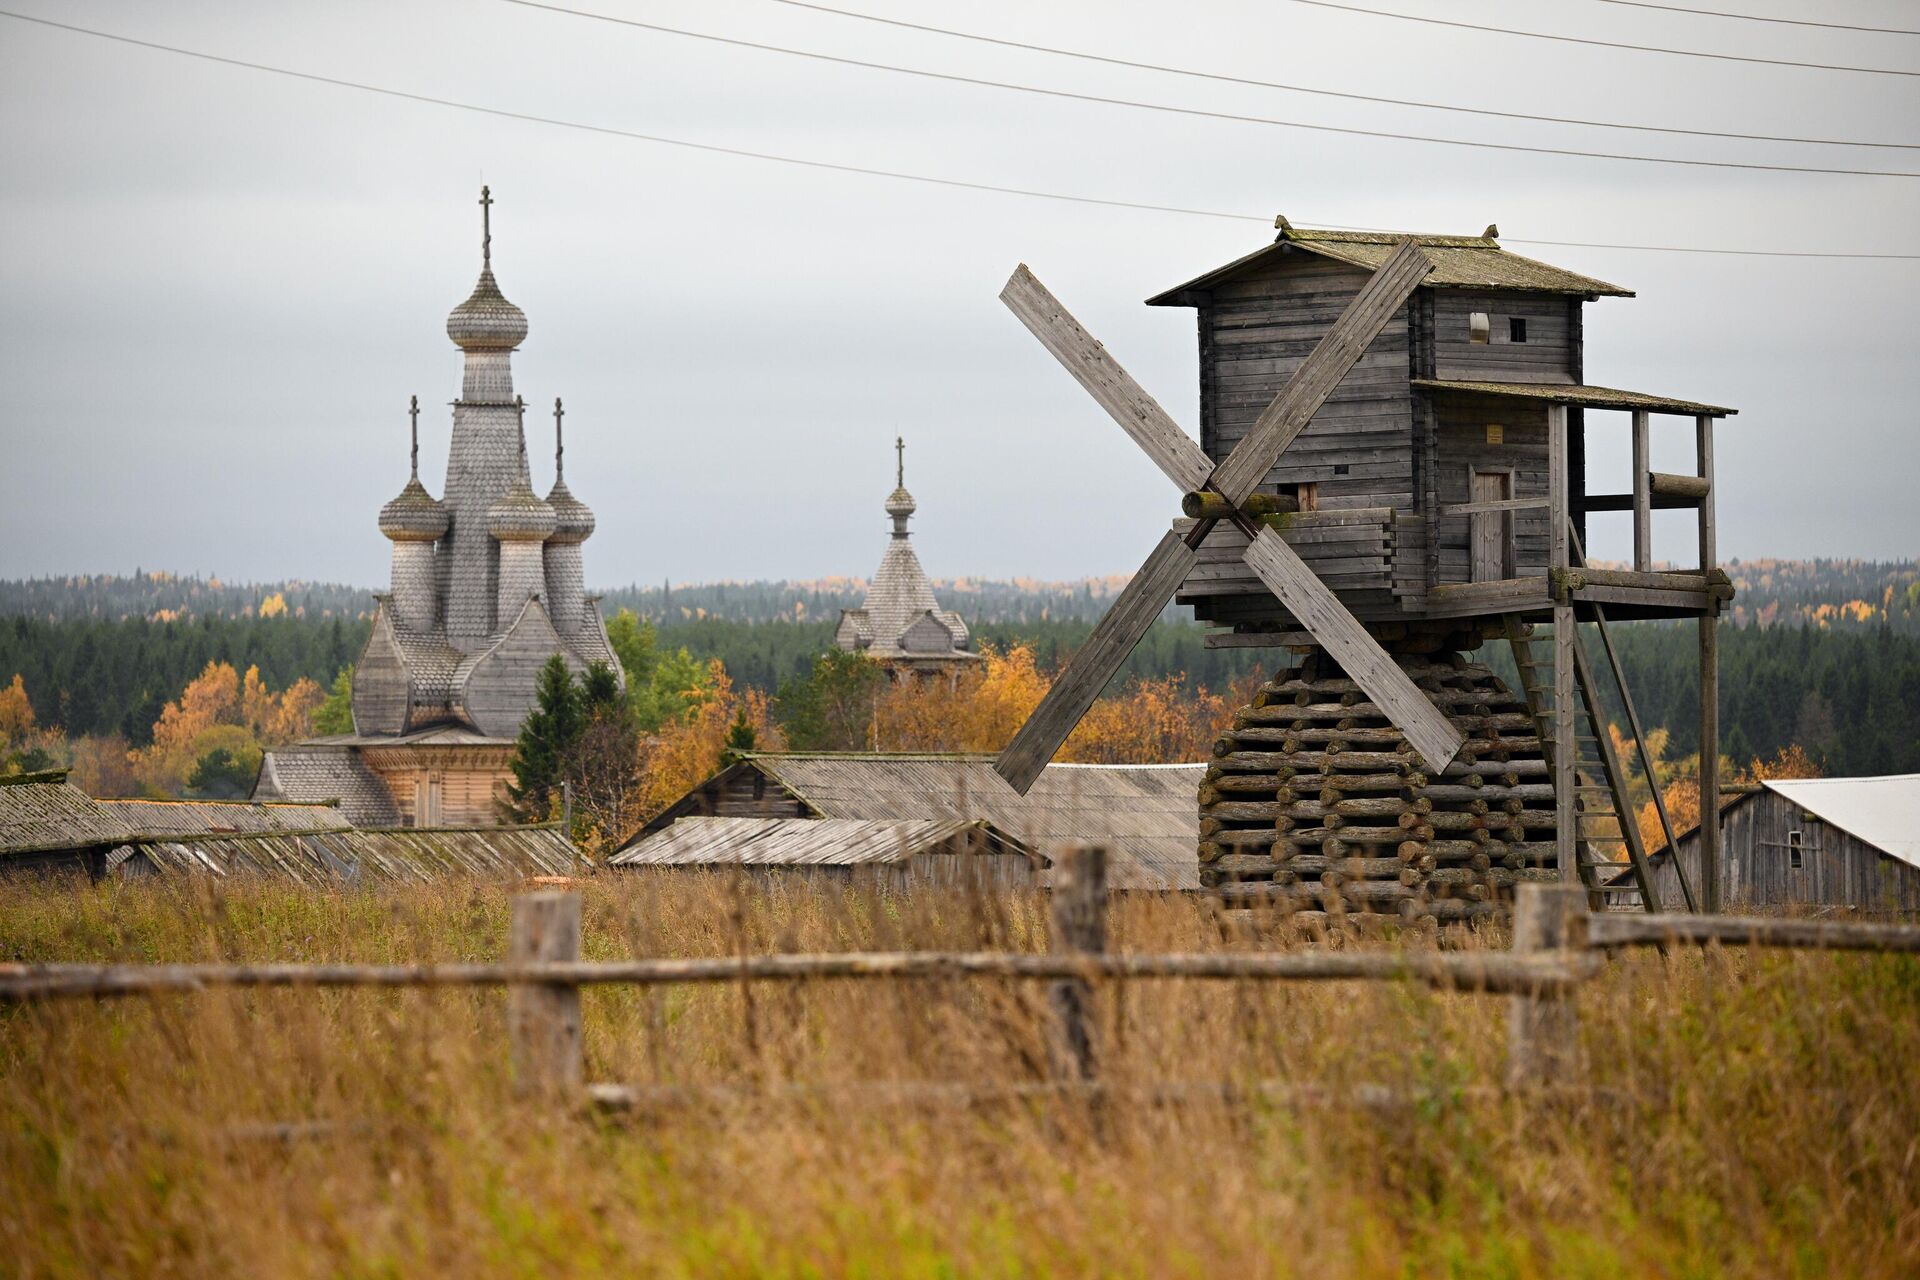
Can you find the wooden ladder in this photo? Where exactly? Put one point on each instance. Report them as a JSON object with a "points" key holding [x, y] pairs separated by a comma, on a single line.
{"points": [[1604, 814]]}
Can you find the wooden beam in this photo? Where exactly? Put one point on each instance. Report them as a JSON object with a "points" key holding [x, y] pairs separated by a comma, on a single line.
{"points": [[1287, 415], [1642, 494], [1138, 413], [1502, 504], [1703, 452], [1543, 1030], [1709, 685], [1692, 488], [1359, 654], [1559, 531], [1079, 918], [1097, 661], [1624, 502]]}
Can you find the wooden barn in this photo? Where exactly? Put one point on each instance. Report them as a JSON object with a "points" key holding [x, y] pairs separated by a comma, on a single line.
{"points": [[48, 826], [1143, 814], [901, 854], [1814, 842]]}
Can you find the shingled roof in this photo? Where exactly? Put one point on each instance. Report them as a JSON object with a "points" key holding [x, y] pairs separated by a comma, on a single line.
{"points": [[805, 842], [327, 775], [402, 856], [43, 811], [1147, 816], [222, 817], [900, 618], [1459, 262]]}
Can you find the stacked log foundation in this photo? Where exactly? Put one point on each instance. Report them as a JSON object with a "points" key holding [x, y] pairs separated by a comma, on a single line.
{"points": [[1315, 802]]}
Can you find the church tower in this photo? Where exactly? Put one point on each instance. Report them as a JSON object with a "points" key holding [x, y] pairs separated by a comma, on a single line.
{"points": [[488, 584]]}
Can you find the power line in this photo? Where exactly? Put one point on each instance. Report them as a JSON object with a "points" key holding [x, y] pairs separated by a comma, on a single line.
{"points": [[1223, 78], [1604, 44], [1201, 113], [1754, 17], [863, 170]]}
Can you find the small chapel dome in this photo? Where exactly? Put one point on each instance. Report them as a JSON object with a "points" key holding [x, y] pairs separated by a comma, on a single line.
{"points": [[900, 503], [520, 516], [414, 516]]}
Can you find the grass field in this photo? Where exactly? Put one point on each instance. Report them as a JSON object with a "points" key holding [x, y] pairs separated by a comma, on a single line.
{"points": [[1754, 1115]]}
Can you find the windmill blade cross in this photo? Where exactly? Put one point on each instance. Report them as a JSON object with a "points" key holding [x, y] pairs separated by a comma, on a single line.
{"points": [[1317, 609], [1083, 356], [1097, 661]]}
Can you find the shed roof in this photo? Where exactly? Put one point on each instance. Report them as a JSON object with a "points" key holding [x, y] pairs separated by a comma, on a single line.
{"points": [[220, 817], [396, 856], [1882, 812], [1147, 816], [1586, 397], [42, 811], [1459, 262], [800, 842]]}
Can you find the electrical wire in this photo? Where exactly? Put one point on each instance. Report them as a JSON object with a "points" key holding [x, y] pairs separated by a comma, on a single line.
{"points": [[1754, 17], [1223, 78], [863, 170], [1201, 113], [1605, 44]]}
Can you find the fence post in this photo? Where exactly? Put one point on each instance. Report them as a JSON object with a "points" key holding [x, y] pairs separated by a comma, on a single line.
{"points": [[1079, 906], [1543, 1030], [543, 1019]]}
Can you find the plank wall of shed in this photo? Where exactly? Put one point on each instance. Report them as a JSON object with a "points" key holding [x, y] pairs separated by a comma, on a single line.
{"points": [[1549, 355], [1837, 870]]}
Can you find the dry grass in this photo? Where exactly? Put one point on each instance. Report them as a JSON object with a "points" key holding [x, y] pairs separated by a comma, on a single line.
{"points": [[1760, 1113]]}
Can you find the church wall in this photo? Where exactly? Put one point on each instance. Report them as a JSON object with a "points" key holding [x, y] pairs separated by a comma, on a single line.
{"points": [[380, 693]]}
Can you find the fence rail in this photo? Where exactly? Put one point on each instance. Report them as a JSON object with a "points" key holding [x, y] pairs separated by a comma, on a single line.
{"points": [[1558, 944]]}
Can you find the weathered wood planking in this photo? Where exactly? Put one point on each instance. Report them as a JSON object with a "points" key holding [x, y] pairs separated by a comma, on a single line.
{"points": [[1125, 400], [1546, 356], [1358, 653], [1115, 636], [1333, 356]]}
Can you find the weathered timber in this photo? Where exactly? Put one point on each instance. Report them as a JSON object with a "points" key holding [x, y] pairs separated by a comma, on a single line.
{"points": [[1543, 1030], [543, 1020], [1078, 906]]}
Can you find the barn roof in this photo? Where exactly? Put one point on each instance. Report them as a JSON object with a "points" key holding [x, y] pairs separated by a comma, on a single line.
{"points": [[1882, 812], [43, 811], [349, 856], [1459, 262], [1586, 397], [801, 842], [1147, 816], [221, 817]]}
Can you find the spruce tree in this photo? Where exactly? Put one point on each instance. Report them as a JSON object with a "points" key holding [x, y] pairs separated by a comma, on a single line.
{"points": [[547, 740]]}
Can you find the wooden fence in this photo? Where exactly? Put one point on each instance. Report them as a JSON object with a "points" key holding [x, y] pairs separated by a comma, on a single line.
{"points": [[1557, 945]]}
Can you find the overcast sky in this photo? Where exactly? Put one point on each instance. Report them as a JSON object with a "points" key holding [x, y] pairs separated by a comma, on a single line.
{"points": [[218, 287]]}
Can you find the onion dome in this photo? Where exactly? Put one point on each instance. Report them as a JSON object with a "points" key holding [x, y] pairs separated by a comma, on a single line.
{"points": [[900, 503], [414, 516], [573, 522], [520, 516], [486, 321]]}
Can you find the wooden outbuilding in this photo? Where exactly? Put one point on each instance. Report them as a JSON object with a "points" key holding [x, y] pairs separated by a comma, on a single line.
{"points": [[1850, 843], [1142, 814], [904, 854], [48, 826], [332, 857]]}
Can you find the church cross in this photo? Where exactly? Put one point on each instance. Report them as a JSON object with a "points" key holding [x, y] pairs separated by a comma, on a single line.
{"points": [[486, 227], [900, 462], [559, 446], [413, 416]]}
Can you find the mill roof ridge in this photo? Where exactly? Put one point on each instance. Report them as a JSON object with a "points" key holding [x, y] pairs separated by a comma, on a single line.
{"points": [[1459, 262]]}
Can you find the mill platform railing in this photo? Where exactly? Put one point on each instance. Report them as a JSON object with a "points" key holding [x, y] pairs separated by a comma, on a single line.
{"points": [[1558, 943]]}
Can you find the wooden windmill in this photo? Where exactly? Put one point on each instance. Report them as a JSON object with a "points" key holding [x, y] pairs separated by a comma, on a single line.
{"points": [[1376, 492]]}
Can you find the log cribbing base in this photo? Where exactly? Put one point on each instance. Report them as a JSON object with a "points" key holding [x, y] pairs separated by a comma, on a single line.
{"points": [[1315, 802]]}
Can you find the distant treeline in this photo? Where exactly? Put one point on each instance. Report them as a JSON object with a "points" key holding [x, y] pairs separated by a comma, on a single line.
{"points": [[1850, 697]]}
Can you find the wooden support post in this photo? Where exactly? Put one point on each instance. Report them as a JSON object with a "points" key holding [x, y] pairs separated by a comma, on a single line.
{"points": [[1710, 869], [1079, 928], [1543, 1029], [543, 1019], [1642, 494], [1565, 829]]}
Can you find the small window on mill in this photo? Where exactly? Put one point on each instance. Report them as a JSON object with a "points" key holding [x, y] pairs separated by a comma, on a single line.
{"points": [[1795, 853], [1479, 327], [1516, 329]]}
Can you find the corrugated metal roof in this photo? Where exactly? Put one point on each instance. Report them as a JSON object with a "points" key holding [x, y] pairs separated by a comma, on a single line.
{"points": [[1586, 397], [796, 842], [44, 811], [399, 856], [213, 817], [1459, 262], [1147, 816], [1882, 812]]}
